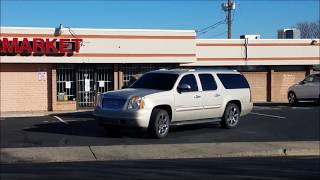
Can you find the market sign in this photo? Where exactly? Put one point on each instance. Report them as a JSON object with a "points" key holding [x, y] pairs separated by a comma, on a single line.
{"points": [[39, 46]]}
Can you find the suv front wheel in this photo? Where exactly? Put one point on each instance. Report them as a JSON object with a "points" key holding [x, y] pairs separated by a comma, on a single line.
{"points": [[231, 116], [159, 123], [292, 98]]}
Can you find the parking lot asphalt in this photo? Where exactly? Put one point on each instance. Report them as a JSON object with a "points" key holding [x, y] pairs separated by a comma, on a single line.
{"points": [[264, 124], [211, 168]]}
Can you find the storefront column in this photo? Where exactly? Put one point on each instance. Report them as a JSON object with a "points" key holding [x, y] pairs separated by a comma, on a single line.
{"points": [[116, 77], [120, 77], [269, 83], [54, 87], [49, 86]]}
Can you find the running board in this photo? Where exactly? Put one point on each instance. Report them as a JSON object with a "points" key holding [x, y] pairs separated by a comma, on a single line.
{"points": [[197, 121]]}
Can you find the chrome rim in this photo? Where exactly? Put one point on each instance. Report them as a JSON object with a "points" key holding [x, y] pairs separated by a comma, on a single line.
{"points": [[233, 116], [292, 98], [163, 124]]}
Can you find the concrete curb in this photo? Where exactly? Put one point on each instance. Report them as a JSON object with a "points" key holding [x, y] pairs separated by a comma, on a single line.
{"points": [[159, 151]]}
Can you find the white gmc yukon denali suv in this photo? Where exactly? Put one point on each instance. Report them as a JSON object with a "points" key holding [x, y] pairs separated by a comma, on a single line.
{"points": [[162, 98]]}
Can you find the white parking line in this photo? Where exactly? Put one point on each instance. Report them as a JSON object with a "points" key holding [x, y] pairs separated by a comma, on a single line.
{"points": [[61, 120], [268, 115], [302, 107], [266, 108]]}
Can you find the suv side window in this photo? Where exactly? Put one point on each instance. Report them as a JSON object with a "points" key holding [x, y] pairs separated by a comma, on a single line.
{"points": [[207, 82], [233, 81], [190, 80]]}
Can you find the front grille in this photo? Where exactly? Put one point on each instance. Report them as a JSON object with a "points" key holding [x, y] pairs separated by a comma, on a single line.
{"points": [[113, 103]]}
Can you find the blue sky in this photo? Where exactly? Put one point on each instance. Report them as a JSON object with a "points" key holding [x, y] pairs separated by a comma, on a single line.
{"points": [[262, 17]]}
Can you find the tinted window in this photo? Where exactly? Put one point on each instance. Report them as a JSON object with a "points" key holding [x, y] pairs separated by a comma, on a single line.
{"points": [[309, 79], [190, 80], [316, 78], [207, 81], [233, 81], [159, 81], [312, 78]]}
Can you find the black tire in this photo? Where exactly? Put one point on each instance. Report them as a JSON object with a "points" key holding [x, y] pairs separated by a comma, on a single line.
{"points": [[231, 116], [159, 123], [292, 98]]}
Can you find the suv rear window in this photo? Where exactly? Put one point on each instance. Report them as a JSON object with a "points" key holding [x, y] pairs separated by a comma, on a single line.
{"points": [[207, 82], [233, 81]]}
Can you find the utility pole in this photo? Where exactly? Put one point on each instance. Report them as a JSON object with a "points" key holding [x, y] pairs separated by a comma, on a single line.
{"points": [[228, 7], [229, 19]]}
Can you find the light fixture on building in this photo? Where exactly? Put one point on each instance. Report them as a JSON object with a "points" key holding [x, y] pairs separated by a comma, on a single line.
{"points": [[58, 30], [314, 42]]}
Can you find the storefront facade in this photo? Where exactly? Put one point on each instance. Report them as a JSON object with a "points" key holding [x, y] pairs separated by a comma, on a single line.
{"points": [[43, 71]]}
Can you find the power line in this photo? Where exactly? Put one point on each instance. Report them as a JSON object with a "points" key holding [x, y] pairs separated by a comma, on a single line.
{"points": [[211, 27]]}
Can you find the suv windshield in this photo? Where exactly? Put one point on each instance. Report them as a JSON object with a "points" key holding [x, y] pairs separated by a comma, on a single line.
{"points": [[159, 81]]}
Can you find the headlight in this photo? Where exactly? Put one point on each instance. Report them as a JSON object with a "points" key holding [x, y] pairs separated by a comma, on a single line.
{"points": [[136, 103]]}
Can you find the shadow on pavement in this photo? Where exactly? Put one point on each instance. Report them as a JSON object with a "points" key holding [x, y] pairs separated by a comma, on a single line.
{"points": [[210, 168], [300, 104], [82, 114], [92, 129]]}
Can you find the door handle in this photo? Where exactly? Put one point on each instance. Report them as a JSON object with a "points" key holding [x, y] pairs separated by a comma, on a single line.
{"points": [[196, 96], [217, 95]]}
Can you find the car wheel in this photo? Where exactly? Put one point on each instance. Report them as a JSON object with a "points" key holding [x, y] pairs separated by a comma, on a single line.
{"points": [[159, 123], [292, 98], [231, 116]]}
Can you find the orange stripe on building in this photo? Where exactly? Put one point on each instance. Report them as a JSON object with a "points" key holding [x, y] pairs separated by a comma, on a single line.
{"points": [[95, 36], [211, 44], [262, 44], [259, 59], [130, 55]]}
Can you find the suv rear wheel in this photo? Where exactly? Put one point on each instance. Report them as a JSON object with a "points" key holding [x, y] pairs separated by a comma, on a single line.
{"points": [[159, 123], [231, 116]]}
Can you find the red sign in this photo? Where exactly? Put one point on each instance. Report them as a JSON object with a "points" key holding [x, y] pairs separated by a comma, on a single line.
{"points": [[39, 46]]}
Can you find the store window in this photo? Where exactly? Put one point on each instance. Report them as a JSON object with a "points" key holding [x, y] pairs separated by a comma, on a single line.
{"points": [[66, 83]]}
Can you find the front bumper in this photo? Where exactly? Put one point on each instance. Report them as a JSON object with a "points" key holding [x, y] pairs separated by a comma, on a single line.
{"points": [[121, 117]]}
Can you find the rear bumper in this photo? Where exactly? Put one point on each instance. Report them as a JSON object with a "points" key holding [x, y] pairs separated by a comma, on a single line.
{"points": [[120, 117], [246, 108]]}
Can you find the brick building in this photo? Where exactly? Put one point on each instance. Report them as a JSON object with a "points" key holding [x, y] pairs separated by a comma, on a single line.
{"points": [[44, 71]]}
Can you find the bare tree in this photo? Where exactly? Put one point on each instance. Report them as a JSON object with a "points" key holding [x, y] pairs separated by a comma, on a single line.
{"points": [[309, 30]]}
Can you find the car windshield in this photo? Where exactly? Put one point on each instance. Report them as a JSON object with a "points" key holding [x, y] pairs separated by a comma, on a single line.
{"points": [[159, 81]]}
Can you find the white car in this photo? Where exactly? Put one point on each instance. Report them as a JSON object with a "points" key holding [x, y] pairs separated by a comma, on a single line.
{"points": [[162, 98], [306, 90]]}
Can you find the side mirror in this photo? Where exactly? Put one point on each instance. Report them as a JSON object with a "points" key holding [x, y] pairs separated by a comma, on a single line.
{"points": [[302, 82], [184, 88]]}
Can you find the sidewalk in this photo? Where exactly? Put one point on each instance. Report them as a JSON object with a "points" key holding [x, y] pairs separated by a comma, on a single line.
{"points": [[41, 113], [159, 151]]}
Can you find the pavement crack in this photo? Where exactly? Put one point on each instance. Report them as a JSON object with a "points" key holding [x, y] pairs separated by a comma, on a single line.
{"points": [[95, 157]]}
